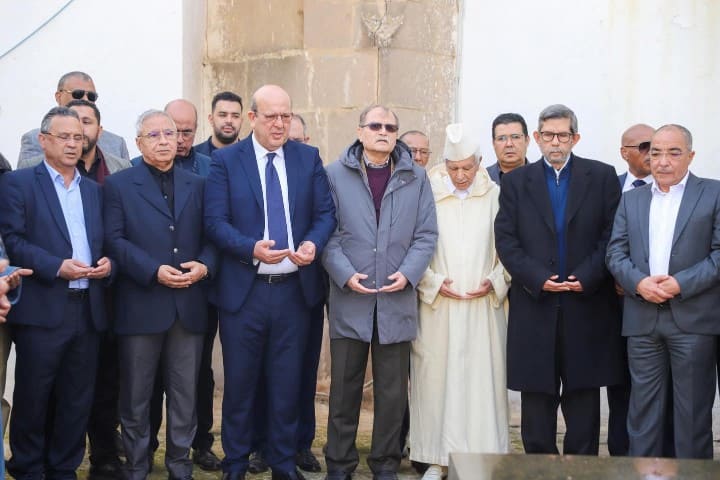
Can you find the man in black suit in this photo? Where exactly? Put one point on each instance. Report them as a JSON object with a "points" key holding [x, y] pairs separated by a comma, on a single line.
{"points": [[154, 227], [563, 341]]}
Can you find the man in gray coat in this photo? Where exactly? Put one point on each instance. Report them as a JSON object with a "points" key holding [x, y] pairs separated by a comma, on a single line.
{"points": [[665, 253], [72, 86], [384, 241]]}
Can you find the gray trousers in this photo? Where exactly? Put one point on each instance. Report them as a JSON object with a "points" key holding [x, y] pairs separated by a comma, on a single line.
{"points": [[177, 353], [691, 357], [390, 365]]}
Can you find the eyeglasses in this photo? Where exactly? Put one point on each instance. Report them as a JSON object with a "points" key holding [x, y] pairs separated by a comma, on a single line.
{"points": [[66, 137], [642, 147], [78, 94], [377, 126], [185, 133], [419, 151], [272, 117], [563, 137], [514, 138], [156, 135]]}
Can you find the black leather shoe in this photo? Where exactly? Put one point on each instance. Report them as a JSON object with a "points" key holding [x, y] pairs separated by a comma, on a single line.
{"points": [[207, 460], [306, 460], [420, 467], [296, 475], [233, 476], [257, 464], [105, 471], [338, 476]]}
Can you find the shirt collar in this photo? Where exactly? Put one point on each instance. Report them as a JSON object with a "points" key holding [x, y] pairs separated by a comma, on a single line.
{"points": [[55, 175], [558, 172], [261, 152], [680, 186], [631, 178]]}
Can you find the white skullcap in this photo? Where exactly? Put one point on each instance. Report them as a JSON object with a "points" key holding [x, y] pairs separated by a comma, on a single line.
{"points": [[458, 143]]}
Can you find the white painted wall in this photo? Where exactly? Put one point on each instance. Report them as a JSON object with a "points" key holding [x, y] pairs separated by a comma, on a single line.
{"points": [[614, 62], [133, 50]]}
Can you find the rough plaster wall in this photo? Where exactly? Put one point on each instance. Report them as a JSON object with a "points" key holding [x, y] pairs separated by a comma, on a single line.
{"points": [[320, 52]]}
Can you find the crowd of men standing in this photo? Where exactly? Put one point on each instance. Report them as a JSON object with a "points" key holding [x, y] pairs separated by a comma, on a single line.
{"points": [[136, 265]]}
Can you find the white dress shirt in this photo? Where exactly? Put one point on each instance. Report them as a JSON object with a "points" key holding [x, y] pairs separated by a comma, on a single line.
{"points": [[664, 209], [285, 266]]}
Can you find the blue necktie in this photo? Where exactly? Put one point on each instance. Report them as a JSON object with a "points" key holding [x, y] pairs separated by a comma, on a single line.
{"points": [[638, 183], [277, 227]]}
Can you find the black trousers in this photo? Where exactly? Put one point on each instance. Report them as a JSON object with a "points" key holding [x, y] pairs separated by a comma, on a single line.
{"points": [[390, 365], [104, 419]]}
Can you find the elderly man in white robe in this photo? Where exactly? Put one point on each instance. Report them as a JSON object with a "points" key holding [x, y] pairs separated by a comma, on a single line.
{"points": [[458, 390]]}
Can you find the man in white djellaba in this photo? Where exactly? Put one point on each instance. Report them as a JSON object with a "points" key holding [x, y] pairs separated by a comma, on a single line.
{"points": [[458, 389]]}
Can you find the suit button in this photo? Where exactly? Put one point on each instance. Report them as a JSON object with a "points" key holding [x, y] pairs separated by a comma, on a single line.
{"points": [[175, 250], [172, 228]]}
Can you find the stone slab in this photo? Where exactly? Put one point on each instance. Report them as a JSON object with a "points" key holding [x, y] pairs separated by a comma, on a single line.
{"points": [[478, 466]]}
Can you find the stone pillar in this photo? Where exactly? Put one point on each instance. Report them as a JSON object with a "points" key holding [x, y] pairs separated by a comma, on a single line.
{"points": [[335, 57]]}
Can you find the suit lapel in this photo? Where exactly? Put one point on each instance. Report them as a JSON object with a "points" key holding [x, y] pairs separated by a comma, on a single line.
{"points": [[643, 217], [89, 203], [537, 187], [248, 163], [182, 185], [48, 189], [578, 188], [691, 196], [149, 190], [292, 174]]}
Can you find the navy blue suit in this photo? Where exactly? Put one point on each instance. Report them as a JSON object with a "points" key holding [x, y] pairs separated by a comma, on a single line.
{"points": [[157, 326], [264, 331], [54, 329]]}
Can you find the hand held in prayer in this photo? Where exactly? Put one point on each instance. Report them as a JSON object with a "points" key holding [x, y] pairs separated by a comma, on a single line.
{"points": [[618, 289], [448, 292], [172, 277], [104, 266], [485, 288], [72, 269], [551, 285], [573, 284], [355, 285], [398, 283], [196, 271], [305, 254], [263, 252], [650, 288]]}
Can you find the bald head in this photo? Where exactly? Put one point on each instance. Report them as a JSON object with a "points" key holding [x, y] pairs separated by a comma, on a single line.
{"points": [[635, 149], [270, 115], [184, 114]]}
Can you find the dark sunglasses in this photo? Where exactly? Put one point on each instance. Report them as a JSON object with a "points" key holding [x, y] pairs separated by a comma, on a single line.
{"points": [[376, 127], [643, 147], [78, 94]]}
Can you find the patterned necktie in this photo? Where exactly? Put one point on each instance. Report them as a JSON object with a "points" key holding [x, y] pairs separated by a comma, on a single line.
{"points": [[638, 183], [277, 227]]}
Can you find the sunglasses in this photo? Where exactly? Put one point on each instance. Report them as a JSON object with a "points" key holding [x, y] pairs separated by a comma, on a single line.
{"points": [[376, 127], [642, 147], [78, 94]]}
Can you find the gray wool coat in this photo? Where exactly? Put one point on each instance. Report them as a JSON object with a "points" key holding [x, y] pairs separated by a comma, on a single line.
{"points": [[403, 240]]}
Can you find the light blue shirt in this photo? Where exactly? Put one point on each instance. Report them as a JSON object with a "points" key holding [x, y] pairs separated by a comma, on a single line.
{"points": [[72, 208]]}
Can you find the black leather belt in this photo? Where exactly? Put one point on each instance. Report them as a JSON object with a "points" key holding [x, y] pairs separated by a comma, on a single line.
{"points": [[275, 277], [78, 293]]}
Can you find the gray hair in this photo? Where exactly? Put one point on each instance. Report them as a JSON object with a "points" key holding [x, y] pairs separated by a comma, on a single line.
{"points": [[56, 112], [149, 114], [370, 108], [558, 111], [69, 75], [686, 133]]}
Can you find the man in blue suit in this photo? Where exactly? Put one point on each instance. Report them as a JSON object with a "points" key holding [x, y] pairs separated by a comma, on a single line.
{"points": [[154, 228], [51, 222], [269, 211]]}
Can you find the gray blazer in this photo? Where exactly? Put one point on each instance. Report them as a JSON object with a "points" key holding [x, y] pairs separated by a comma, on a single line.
{"points": [[113, 163], [694, 259], [108, 143]]}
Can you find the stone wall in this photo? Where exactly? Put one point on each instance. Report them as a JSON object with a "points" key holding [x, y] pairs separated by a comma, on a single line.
{"points": [[321, 53]]}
